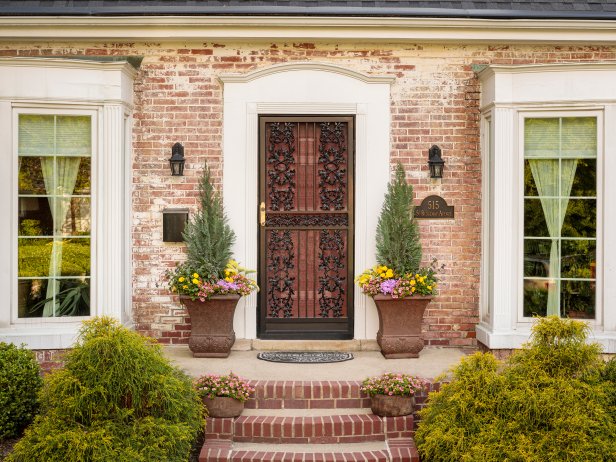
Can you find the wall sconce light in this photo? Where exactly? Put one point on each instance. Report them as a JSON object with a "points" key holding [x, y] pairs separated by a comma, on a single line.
{"points": [[177, 160], [435, 162]]}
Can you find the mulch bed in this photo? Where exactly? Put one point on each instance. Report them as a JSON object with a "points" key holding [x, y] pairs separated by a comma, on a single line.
{"points": [[6, 446]]}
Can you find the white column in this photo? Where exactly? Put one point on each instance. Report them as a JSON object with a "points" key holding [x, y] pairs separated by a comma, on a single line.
{"points": [[8, 243], [609, 227], [109, 198], [504, 212]]}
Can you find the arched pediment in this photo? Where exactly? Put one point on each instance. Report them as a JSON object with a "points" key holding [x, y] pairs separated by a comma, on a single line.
{"points": [[304, 66]]}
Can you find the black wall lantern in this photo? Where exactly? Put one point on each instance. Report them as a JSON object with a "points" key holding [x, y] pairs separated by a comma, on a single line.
{"points": [[177, 160], [435, 162]]}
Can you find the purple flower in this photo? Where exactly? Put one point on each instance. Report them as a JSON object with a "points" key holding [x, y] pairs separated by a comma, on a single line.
{"points": [[387, 287], [227, 285]]}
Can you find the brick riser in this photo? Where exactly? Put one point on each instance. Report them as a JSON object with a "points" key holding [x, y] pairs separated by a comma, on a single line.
{"points": [[366, 456], [315, 395], [325, 429]]}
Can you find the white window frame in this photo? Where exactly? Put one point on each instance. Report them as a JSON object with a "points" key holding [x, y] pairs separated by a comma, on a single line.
{"points": [[508, 94], [103, 90], [93, 113], [562, 113]]}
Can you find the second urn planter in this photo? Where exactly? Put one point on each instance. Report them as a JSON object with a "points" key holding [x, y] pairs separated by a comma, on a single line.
{"points": [[212, 334], [400, 319]]}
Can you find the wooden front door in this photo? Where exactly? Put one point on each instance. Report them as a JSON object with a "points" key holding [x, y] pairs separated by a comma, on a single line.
{"points": [[306, 227]]}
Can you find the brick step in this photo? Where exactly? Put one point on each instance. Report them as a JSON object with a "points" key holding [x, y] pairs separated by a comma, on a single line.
{"points": [[395, 450], [307, 395], [329, 428]]}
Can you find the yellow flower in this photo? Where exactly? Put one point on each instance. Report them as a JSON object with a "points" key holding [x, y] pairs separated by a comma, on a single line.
{"points": [[172, 288], [184, 286], [390, 273], [181, 279], [416, 275], [429, 287], [196, 275], [195, 281], [412, 289], [412, 282], [227, 272], [229, 279]]}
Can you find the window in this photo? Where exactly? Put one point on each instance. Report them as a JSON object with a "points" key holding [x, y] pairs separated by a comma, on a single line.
{"points": [[54, 215], [560, 216]]}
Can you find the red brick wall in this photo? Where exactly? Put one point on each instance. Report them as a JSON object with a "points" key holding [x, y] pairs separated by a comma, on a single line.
{"points": [[435, 100]]}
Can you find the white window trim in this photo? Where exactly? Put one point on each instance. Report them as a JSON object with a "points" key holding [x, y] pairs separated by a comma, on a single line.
{"points": [[19, 109], [510, 93], [536, 113], [105, 90]]}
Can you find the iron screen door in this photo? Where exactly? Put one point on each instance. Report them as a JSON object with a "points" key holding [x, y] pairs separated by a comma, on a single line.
{"points": [[306, 227]]}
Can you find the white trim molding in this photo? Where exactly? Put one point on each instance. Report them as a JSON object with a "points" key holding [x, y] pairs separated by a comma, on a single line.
{"points": [[340, 29], [298, 89], [65, 86], [510, 93]]}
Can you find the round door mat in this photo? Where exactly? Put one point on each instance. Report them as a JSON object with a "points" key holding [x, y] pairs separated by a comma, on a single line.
{"points": [[304, 357]]}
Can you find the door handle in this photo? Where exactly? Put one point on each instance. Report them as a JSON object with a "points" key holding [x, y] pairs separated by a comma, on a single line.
{"points": [[262, 214]]}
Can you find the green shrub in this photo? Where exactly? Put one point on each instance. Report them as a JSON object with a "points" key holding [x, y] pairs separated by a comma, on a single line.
{"points": [[548, 402], [20, 381], [116, 399]]}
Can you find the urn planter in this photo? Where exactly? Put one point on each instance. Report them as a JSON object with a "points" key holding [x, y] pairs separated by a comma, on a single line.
{"points": [[392, 406], [399, 334], [223, 406], [211, 334]]}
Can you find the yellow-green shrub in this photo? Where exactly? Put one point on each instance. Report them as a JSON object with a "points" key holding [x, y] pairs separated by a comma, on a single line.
{"points": [[20, 381], [116, 399], [548, 402]]}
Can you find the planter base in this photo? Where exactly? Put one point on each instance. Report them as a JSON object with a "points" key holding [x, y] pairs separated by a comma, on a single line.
{"points": [[223, 406], [211, 334], [399, 334], [392, 406]]}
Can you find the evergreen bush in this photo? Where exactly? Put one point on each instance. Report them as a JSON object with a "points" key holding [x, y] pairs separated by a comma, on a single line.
{"points": [[208, 236], [116, 399], [20, 381], [397, 236], [548, 402]]}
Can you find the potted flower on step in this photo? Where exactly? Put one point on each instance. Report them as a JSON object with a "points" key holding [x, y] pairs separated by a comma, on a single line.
{"points": [[210, 282], [393, 394], [223, 395], [400, 288]]}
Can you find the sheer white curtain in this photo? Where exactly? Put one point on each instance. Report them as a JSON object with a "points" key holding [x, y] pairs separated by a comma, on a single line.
{"points": [[547, 175], [57, 186]]}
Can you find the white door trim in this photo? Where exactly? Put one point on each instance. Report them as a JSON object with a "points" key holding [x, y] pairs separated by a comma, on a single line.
{"points": [[301, 89]]}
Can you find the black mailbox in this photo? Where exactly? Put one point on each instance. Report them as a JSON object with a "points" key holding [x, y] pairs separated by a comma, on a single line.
{"points": [[174, 221]]}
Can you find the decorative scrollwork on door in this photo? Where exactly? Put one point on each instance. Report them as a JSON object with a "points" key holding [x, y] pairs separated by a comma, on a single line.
{"points": [[333, 279], [280, 282], [332, 161], [281, 166]]}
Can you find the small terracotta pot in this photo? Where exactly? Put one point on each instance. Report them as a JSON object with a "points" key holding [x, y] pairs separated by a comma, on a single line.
{"points": [[392, 406], [223, 406]]}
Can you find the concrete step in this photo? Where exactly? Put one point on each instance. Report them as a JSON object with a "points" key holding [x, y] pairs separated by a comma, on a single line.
{"points": [[332, 394], [395, 450]]}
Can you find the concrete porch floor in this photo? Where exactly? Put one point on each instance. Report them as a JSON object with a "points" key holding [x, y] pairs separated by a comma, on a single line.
{"points": [[431, 363]]}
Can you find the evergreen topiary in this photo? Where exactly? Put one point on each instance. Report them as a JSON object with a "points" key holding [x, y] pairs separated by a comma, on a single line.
{"points": [[116, 399], [397, 236], [20, 381], [549, 402], [208, 236]]}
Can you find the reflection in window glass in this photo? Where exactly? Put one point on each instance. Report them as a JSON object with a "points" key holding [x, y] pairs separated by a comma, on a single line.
{"points": [[560, 216], [54, 223]]}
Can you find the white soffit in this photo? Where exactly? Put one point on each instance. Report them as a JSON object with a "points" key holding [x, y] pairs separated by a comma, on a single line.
{"points": [[258, 28]]}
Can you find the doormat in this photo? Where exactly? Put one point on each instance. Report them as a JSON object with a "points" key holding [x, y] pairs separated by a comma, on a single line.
{"points": [[305, 357]]}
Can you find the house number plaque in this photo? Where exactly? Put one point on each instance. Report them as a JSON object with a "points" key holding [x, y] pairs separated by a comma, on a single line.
{"points": [[434, 207]]}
